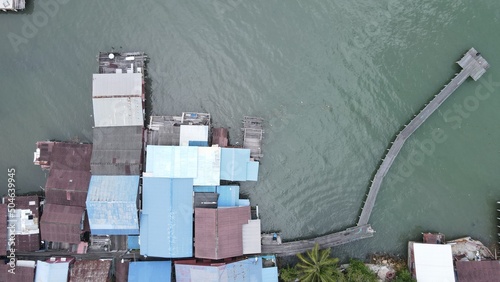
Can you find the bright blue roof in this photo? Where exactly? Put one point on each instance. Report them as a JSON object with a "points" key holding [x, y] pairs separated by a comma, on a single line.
{"points": [[172, 161], [253, 171], [270, 274], [167, 217], [233, 164], [112, 205], [248, 270], [51, 271], [146, 271], [201, 189], [228, 196], [133, 242]]}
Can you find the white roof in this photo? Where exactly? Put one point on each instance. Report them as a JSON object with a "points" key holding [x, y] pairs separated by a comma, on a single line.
{"points": [[117, 84], [433, 262], [118, 112], [208, 166], [171, 161], [193, 133], [252, 237]]}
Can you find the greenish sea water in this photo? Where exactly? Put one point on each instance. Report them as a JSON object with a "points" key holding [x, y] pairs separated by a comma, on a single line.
{"points": [[334, 81]]}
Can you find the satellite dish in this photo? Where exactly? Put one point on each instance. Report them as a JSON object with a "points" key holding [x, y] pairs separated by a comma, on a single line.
{"points": [[111, 56]]}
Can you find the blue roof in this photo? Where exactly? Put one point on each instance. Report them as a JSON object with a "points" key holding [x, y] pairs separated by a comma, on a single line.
{"points": [[270, 274], [51, 271], [112, 205], [228, 196], [172, 161], [167, 217], [209, 189], [133, 242], [198, 143], [233, 164], [248, 270], [253, 171], [146, 271]]}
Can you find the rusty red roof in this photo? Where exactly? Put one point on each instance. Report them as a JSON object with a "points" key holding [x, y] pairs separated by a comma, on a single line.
{"points": [[61, 223], [478, 271], [218, 232], [67, 187], [22, 274], [121, 270], [219, 137], [71, 156], [90, 270]]}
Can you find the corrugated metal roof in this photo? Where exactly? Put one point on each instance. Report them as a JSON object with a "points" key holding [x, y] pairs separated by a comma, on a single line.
{"points": [[208, 166], [252, 237], [117, 150], [478, 271], [208, 189], [433, 262], [171, 161], [146, 271], [90, 270], [133, 242], [219, 137], [61, 223], [117, 100], [218, 232], [67, 187], [167, 217], [71, 156], [234, 164], [121, 270], [205, 200], [21, 274], [193, 133], [112, 205], [248, 270], [228, 195], [118, 112], [123, 84], [270, 274], [252, 171], [51, 272]]}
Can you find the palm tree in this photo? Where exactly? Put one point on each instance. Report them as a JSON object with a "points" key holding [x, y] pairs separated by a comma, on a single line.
{"points": [[318, 266]]}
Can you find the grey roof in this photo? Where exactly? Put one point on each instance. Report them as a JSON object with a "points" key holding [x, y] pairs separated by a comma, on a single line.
{"points": [[117, 150], [205, 200], [110, 85]]}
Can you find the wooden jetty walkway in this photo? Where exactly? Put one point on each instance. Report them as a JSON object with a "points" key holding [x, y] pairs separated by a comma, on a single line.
{"points": [[327, 241], [473, 65], [252, 136]]}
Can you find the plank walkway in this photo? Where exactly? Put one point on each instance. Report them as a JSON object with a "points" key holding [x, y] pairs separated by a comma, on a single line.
{"points": [[327, 241], [474, 65]]}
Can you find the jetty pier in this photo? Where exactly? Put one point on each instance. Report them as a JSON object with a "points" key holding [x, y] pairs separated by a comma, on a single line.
{"points": [[473, 65]]}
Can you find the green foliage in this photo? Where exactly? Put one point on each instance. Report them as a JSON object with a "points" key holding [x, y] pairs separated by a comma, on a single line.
{"points": [[404, 275], [318, 266], [359, 272], [289, 274]]}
